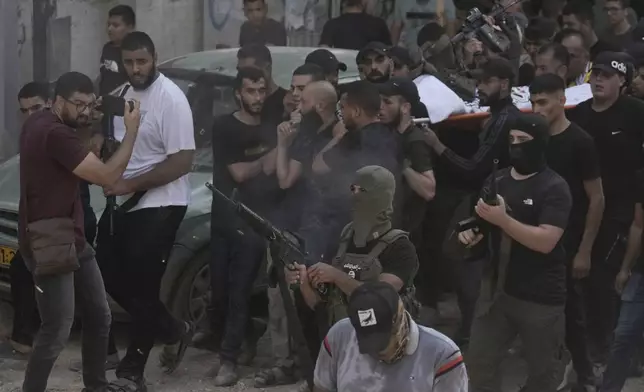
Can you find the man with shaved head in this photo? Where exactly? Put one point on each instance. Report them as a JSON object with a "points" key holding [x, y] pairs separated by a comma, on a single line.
{"points": [[298, 142]]}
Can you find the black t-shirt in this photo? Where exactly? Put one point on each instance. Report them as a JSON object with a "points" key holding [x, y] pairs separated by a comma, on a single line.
{"points": [[417, 152], [573, 156], [354, 31], [235, 141], [270, 32], [639, 266], [618, 137], [603, 46], [112, 71], [543, 199], [273, 110], [399, 258]]}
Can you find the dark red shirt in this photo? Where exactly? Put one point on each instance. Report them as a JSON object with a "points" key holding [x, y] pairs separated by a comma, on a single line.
{"points": [[49, 152]]}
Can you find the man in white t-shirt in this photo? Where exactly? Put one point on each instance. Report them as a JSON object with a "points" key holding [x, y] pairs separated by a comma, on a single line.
{"points": [[153, 196]]}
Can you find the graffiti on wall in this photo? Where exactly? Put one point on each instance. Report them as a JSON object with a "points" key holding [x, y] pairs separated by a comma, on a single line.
{"points": [[219, 12]]}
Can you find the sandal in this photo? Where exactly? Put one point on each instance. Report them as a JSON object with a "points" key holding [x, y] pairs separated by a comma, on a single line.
{"points": [[173, 354], [274, 376]]}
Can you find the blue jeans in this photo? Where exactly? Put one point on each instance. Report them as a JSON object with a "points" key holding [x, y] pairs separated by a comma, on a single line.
{"points": [[627, 335]]}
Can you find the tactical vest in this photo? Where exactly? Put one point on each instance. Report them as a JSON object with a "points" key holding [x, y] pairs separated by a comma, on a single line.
{"points": [[365, 268]]}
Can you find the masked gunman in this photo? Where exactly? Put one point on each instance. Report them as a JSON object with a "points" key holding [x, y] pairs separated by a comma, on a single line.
{"points": [[523, 229], [380, 348], [369, 250]]}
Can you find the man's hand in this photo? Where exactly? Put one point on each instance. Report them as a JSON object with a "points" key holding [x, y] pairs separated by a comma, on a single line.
{"points": [[296, 117], [496, 215], [469, 238], [321, 273], [119, 188], [285, 133], [298, 276], [621, 280], [132, 119], [581, 265], [473, 46]]}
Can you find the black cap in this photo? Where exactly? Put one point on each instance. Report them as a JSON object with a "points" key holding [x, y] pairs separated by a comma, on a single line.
{"points": [[613, 63], [533, 124], [495, 67], [404, 87], [373, 308], [326, 60], [638, 32], [372, 47], [401, 56]]}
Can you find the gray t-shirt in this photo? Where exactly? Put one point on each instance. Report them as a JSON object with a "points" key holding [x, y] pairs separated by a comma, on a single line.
{"points": [[433, 363], [404, 12]]}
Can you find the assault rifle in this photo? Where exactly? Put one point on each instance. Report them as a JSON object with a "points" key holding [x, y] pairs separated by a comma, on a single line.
{"points": [[489, 197], [288, 250]]}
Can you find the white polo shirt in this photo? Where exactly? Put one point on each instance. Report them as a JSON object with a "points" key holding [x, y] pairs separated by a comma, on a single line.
{"points": [[432, 363], [166, 128]]}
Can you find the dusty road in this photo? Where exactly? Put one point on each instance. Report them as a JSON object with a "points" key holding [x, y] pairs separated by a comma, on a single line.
{"points": [[193, 375]]}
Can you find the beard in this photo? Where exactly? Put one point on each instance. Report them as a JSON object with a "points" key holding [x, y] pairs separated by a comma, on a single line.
{"points": [[79, 121], [376, 76], [252, 108], [489, 100], [311, 121], [142, 85]]}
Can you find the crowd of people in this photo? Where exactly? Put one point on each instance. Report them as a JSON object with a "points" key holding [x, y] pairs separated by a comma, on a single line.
{"points": [[534, 220]]}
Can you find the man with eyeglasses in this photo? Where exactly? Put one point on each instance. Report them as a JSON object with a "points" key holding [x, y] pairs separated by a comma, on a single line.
{"points": [[53, 159], [619, 30], [579, 66], [614, 121]]}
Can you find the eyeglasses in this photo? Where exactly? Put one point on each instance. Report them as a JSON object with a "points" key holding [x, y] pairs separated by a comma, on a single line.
{"points": [[357, 189], [82, 106]]}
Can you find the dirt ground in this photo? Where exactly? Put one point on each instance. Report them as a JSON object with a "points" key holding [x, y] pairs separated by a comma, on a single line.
{"points": [[194, 373]]}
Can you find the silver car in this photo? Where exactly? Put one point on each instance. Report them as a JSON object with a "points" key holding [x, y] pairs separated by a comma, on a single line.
{"points": [[207, 79]]}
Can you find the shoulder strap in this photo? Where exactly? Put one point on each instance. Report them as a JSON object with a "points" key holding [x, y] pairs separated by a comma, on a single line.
{"points": [[347, 232], [384, 241]]}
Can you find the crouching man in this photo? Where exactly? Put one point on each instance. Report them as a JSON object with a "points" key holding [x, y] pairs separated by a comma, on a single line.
{"points": [[380, 348], [524, 232]]}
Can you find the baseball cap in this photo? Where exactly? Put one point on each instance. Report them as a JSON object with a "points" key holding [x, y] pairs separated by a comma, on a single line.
{"points": [[372, 47], [613, 63], [401, 56], [498, 67], [372, 308], [404, 87], [326, 60]]}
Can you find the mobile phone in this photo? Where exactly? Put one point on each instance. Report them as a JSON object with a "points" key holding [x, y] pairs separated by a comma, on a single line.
{"points": [[114, 106]]}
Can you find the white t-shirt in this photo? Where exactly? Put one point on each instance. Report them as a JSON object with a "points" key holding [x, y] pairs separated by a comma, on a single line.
{"points": [[166, 128]]}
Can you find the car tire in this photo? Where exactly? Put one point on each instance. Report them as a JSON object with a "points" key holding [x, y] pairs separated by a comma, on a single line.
{"points": [[192, 295]]}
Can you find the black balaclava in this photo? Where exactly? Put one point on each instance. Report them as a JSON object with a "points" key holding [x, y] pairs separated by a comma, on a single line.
{"points": [[530, 157]]}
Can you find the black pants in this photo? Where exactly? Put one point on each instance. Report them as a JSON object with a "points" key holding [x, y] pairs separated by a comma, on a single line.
{"points": [[26, 319], [602, 299], [133, 261], [435, 274], [237, 254]]}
